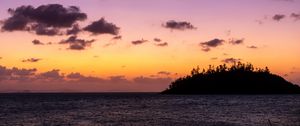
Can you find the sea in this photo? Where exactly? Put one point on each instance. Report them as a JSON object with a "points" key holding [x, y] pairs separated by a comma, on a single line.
{"points": [[147, 109]]}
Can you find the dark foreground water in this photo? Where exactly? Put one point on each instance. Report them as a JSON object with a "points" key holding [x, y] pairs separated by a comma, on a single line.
{"points": [[148, 109]]}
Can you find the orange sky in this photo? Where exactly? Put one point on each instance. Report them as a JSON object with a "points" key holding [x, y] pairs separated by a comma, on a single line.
{"points": [[252, 21]]}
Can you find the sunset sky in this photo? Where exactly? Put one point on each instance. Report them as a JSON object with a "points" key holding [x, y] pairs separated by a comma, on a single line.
{"points": [[140, 45]]}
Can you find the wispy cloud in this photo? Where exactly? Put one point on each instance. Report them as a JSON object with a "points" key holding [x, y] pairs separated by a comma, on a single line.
{"points": [[138, 42], [231, 60], [236, 41], [252, 47], [31, 60], [278, 17]]}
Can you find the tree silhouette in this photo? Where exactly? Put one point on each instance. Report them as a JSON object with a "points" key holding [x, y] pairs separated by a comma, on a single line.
{"points": [[239, 78]]}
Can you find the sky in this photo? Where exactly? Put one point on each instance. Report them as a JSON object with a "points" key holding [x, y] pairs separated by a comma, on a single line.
{"points": [[140, 45]]}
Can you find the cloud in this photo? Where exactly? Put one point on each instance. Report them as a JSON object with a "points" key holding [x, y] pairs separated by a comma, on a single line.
{"points": [[102, 27], [31, 60], [15, 79], [148, 80], [43, 20], [214, 58], [37, 42], [179, 25], [74, 30], [164, 73], [77, 44], [15, 74], [138, 42], [295, 16], [117, 37], [51, 75], [252, 47], [157, 40], [236, 41], [74, 76], [231, 60], [162, 44], [42, 29], [206, 46], [278, 17]]}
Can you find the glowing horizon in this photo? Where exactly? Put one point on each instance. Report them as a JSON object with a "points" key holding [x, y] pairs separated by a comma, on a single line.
{"points": [[160, 41]]}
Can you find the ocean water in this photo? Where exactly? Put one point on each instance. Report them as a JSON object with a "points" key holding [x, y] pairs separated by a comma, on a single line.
{"points": [[148, 109]]}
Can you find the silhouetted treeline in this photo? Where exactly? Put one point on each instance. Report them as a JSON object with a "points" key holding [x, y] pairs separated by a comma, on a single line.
{"points": [[239, 78]]}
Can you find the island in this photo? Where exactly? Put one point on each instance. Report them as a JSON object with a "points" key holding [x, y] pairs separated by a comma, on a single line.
{"points": [[239, 78]]}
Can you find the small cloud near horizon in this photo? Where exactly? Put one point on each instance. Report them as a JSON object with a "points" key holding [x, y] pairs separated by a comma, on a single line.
{"points": [[164, 73], [252, 47], [231, 60], [31, 60]]}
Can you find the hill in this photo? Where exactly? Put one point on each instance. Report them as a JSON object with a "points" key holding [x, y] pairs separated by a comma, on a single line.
{"points": [[239, 78]]}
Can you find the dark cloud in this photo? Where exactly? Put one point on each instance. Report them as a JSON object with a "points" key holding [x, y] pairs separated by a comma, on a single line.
{"points": [[278, 17], [102, 27], [138, 42], [23, 72], [152, 81], [74, 76], [206, 46], [57, 81], [31, 60], [252, 47], [164, 73], [162, 44], [51, 75], [42, 29], [295, 16], [231, 60], [120, 79], [15, 23], [236, 41], [157, 40], [74, 30], [77, 44], [43, 20], [178, 25], [37, 42], [15, 74]]}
